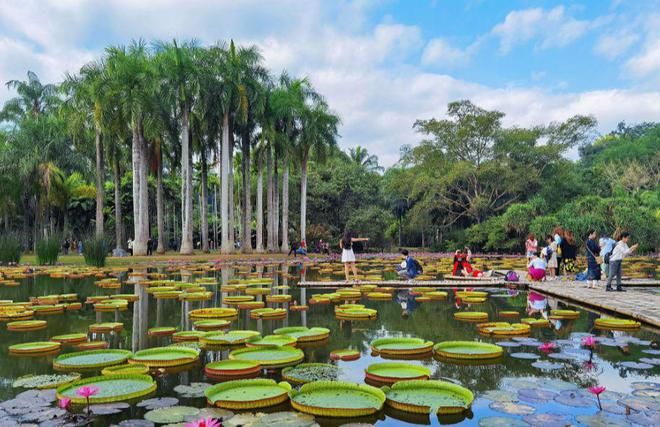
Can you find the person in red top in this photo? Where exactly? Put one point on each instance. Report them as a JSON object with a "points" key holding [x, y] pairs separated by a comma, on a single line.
{"points": [[462, 266]]}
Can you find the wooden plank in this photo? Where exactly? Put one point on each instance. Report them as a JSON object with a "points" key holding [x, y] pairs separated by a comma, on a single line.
{"points": [[403, 283]]}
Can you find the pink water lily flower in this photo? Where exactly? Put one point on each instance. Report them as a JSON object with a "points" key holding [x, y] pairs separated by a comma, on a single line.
{"points": [[547, 347], [87, 391], [204, 422], [597, 389], [64, 403], [588, 341]]}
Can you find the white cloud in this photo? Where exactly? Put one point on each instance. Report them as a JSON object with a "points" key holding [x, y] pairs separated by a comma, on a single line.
{"points": [[439, 51], [551, 28], [614, 45]]}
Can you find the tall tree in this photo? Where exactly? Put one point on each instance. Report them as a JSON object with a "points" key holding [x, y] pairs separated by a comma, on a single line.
{"points": [[361, 156]]}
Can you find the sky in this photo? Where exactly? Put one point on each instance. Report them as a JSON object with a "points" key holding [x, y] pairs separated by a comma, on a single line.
{"points": [[382, 64]]}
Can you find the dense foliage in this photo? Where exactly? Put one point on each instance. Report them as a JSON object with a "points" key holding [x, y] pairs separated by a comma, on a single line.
{"points": [[219, 154]]}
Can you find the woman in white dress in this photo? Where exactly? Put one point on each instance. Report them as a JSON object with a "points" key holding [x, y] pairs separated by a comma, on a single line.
{"points": [[347, 254]]}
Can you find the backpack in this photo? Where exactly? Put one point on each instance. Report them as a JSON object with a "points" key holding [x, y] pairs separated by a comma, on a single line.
{"points": [[418, 266], [548, 253], [608, 255], [511, 276]]}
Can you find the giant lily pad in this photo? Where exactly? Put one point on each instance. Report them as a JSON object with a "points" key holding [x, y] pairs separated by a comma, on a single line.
{"points": [[602, 420], [92, 359], [304, 334], [135, 368], [268, 313], [34, 348], [272, 340], [424, 397], [212, 313], [512, 408], [228, 338], [45, 381], [337, 399], [191, 391], [564, 314], [269, 357], [247, 394], [401, 346], [615, 324], [526, 356], [356, 314], [162, 357], [171, 414], [501, 422], [70, 338], [636, 365], [503, 329], [232, 369], [547, 366], [471, 316], [467, 350], [26, 325], [211, 325], [308, 372], [548, 420], [535, 395], [158, 402], [112, 388], [345, 354], [391, 372]]}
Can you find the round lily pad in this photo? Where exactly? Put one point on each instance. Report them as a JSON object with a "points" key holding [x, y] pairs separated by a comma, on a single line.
{"points": [[229, 338], [187, 336], [401, 346], [69, 338], [134, 368], [391, 372], [268, 313], [158, 402], [26, 325], [162, 357], [471, 316], [499, 396], [510, 344], [467, 350], [636, 365], [650, 360], [211, 325], [308, 372], [512, 408], [108, 408], [503, 329], [547, 366], [612, 323], [432, 396], [161, 331], [232, 369], [37, 347], [170, 415], [304, 334], [191, 391], [272, 340], [337, 399], [548, 420], [647, 419], [526, 356], [45, 381], [501, 422], [345, 355], [564, 314], [269, 357], [602, 420], [535, 395], [356, 314], [651, 351], [248, 394], [91, 359], [212, 313], [112, 388], [645, 385], [614, 408]]}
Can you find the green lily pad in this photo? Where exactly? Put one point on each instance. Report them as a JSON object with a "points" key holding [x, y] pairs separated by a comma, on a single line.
{"points": [[159, 357], [194, 390], [169, 415], [269, 357], [272, 340], [247, 394], [337, 399], [535, 395], [45, 381], [285, 419], [401, 346], [303, 334], [602, 420], [211, 325], [467, 350], [432, 396], [232, 368], [34, 347], [228, 338], [91, 359], [134, 368], [390, 372], [499, 396], [512, 408], [112, 388], [158, 402], [501, 422], [548, 420], [70, 338], [308, 372]]}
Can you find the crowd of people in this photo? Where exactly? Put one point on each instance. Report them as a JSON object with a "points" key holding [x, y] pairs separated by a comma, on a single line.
{"points": [[558, 257], [72, 246]]}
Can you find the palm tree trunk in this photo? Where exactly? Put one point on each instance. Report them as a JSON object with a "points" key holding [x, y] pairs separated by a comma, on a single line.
{"points": [[224, 185], [186, 186], [276, 205], [246, 244], [160, 203], [215, 217], [270, 201], [100, 180], [260, 204], [119, 237], [140, 190], [303, 198], [230, 159], [204, 205], [285, 202]]}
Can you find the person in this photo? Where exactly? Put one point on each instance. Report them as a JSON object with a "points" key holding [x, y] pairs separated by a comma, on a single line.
{"points": [[531, 246], [150, 247], [621, 251], [325, 248], [129, 244], [293, 248], [568, 250], [537, 267], [462, 266], [558, 237], [347, 254], [606, 245], [536, 303], [593, 267], [65, 246], [550, 255], [458, 264], [302, 249], [409, 268], [80, 247]]}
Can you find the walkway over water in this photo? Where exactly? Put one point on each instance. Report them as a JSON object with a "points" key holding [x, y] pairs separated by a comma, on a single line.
{"points": [[640, 304], [405, 283]]}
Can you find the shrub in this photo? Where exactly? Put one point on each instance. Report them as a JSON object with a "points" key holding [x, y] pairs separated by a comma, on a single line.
{"points": [[48, 250], [95, 251], [10, 249]]}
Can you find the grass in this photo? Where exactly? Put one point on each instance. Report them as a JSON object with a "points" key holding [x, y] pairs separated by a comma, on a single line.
{"points": [[10, 249], [95, 251], [48, 250]]}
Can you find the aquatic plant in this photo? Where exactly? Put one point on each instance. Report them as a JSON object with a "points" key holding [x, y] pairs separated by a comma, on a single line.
{"points": [[597, 390], [87, 391], [48, 250], [95, 251], [10, 249], [547, 347], [204, 422]]}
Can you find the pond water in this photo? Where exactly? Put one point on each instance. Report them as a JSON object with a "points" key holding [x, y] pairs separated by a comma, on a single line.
{"points": [[525, 382]]}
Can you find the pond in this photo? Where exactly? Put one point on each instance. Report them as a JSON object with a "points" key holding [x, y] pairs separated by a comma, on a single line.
{"points": [[524, 386]]}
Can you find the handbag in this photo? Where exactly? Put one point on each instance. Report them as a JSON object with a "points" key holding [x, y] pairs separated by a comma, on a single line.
{"points": [[598, 258]]}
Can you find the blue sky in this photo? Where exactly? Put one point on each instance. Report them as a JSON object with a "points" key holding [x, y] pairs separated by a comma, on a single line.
{"points": [[382, 64]]}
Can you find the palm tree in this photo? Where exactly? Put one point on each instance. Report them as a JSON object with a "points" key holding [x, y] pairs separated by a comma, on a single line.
{"points": [[318, 135], [65, 189], [361, 157], [177, 70], [131, 77], [34, 98]]}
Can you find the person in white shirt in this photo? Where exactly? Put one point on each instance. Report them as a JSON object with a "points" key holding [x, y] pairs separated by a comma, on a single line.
{"points": [[130, 245], [621, 250]]}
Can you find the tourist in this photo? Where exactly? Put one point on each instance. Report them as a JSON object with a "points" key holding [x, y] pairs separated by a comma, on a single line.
{"points": [[558, 237], [462, 266], [459, 261], [65, 246], [593, 266], [536, 268], [293, 248], [531, 246], [409, 268], [606, 245], [302, 249], [80, 247], [347, 254], [568, 250], [550, 255], [129, 244], [621, 251]]}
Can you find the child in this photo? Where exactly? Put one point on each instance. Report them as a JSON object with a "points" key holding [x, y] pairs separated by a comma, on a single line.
{"points": [[531, 246], [536, 268], [551, 256]]}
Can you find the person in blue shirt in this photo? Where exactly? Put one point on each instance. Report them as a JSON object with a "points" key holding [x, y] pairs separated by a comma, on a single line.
{"points": [[606, 245], [408, 269]]}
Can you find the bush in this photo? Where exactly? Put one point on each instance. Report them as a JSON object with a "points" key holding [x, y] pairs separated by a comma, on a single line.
{"points": [[95, 251], [10, 249], [48, 250]]}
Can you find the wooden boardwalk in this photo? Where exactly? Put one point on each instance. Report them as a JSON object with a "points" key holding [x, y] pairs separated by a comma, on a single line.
{"points": [[406, 284], [639, 304]]}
